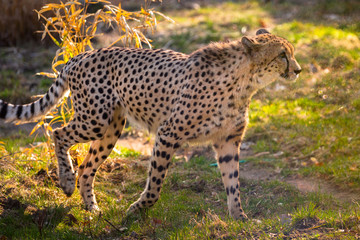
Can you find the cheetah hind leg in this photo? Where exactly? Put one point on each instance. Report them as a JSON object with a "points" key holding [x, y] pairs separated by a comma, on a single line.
{"points": [[66, 172], [84, 162], [94, 145], [99, 151], [64, 138]]}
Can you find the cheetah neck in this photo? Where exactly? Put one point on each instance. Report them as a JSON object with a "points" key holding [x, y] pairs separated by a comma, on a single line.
{"points": [[233, 71], [244, 85]]}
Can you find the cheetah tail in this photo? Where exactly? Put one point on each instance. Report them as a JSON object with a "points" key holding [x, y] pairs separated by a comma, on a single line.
{"points": [[32, 111]]}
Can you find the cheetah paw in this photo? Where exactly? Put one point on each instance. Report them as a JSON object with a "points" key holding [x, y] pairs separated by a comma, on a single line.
{"points": [[67, 185], [94, 208], [242, 217]]}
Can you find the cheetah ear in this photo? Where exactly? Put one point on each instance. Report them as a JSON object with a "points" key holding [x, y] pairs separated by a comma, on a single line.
{"points": [[249, 44], [261, 31]]}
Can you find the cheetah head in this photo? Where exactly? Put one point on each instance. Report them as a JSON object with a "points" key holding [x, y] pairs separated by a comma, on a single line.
{"points": [[272, 58]]}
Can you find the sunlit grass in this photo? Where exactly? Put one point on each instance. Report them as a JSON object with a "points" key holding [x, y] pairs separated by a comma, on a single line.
{"points": [[314, 122], [124, 152], [305, 129], [192, 204], [220, 22]]}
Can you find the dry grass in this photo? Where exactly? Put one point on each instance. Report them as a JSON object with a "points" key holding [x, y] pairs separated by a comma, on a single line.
{"points": [[72, 27]]}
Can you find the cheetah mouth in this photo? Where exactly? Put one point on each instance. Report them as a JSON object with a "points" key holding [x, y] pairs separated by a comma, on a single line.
{"points": [[287, 77]]}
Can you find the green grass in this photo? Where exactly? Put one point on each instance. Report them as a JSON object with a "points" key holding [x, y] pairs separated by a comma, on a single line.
{"points": [[314, 122], [11, 88], [192, 206], [303, 129], [124, 152], [19, 65], [226, 21]]}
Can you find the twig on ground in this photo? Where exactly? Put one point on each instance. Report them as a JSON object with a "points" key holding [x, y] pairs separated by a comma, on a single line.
{"points": [[117, 229]]}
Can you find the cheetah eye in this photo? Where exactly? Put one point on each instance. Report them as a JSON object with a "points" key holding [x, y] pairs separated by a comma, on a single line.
{"points": [[283, 55]]}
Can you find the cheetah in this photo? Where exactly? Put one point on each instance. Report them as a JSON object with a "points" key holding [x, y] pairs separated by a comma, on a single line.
{"points": [[201, 97]]}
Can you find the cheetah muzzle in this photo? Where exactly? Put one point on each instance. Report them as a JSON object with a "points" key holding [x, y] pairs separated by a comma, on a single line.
{"points": [[203, 96]]}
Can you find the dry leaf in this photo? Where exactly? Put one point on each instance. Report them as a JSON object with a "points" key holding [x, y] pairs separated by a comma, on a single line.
{"points": [[156, 221]]}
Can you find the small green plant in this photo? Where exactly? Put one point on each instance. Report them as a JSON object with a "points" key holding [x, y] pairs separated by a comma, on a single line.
{"points": [[306, 212], [125, 152]]}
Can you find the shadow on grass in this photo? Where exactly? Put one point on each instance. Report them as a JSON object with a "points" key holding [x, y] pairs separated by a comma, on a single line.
{"points": [[19, 217]]}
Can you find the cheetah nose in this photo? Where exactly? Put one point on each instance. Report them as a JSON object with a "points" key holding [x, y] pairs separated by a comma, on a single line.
{"points": [[297, 71]]}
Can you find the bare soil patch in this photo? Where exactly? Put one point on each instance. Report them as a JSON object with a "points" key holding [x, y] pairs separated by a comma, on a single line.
{"points": [[251, 171]]}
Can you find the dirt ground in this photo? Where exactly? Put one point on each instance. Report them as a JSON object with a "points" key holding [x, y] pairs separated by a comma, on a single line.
{"points": [[249, 170]]}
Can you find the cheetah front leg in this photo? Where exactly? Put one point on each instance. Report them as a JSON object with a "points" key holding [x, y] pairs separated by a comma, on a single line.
{"points": [[228, 159], [163, 150]]}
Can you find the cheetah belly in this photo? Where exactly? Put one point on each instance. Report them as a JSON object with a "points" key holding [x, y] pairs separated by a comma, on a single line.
{"points": [[213, 133], [151, 120], [143, 124]]}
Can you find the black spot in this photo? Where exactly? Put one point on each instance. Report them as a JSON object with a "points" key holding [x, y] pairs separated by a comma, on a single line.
{"points": [[160, 168], [226, 159], [232, 136], [3, 110], [153, 163], [232, 190], [19, 111], [32, 108]]}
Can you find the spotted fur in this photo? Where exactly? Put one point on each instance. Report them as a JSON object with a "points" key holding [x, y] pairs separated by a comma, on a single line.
{"points": [[203, 96]]}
